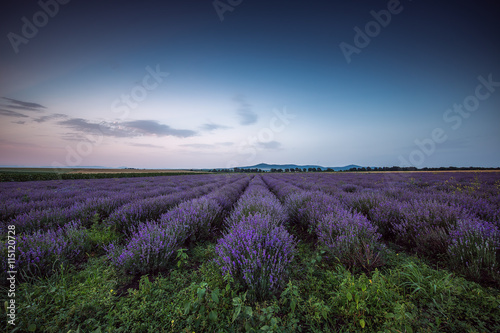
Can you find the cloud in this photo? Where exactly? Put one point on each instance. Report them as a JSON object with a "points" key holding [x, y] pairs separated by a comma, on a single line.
{"points": [[127, 129], [20, 105], [246, 114], [225, 143], [271, 145], [20, 122], [152, 127], [199, 145], [50, 117], [145, 145], [9, 113], [71, 136], [209, 127]]}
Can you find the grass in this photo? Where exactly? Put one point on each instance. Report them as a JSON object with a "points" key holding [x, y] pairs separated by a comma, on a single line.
{"points": [[406, 295]]}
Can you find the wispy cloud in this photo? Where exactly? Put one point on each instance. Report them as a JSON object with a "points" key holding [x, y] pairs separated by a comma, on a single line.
{"points": [[20, 105], [152, 127], [86, 126], [144, 145], [199, 145], [127, 129], [10, 113], [271, 145], [245, 113], [19, 122], [53, 116], [209, 127]]}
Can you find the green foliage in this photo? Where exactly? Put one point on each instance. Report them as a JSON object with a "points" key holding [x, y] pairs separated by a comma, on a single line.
{"points": [[100, 235], [182, 258], [23, 176], [404, 296]]}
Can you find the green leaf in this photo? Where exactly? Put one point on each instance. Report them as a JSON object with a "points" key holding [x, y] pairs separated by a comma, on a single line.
{"points": [[293, 304], [236, 313], [389, 315], [201, 292], [409, 329], [249, 311], [32, 328], [212, 316], [357, 298], [187, 306], [215, 296], [362, 323], [325, 314], [349, 296]]}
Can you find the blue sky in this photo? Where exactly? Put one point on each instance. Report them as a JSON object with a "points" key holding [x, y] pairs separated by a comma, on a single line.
{"points": [[168, 84]]}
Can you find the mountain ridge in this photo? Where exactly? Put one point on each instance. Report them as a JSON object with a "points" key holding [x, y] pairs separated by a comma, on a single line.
{"points": [[266, 166]]}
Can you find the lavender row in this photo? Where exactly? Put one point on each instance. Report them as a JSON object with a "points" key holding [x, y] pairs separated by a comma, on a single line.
{"points": [[436, 225], [479, 194], [153, 243], [348, 236], [43, 251], [257, 250], [42, 195], [127, 217], [86, 210]]}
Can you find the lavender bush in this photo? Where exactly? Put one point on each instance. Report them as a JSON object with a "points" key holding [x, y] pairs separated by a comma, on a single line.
{"points": [[351, 238], [256, 253], [473, 249], [149, 249], [42, 252]]}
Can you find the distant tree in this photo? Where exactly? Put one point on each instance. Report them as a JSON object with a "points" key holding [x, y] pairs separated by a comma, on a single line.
{"points": [[329, 169]]}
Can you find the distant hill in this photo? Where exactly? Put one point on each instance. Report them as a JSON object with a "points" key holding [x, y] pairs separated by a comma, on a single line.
{"points": [[267, 167]]}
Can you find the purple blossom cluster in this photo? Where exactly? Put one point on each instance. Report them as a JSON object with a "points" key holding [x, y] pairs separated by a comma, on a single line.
{"points": [[256, 253], [454, 215], [408, 223], [474, 247], [50, 204], [152, 244], [43, 251], [351, 238], [256, 249], [446, 215]]}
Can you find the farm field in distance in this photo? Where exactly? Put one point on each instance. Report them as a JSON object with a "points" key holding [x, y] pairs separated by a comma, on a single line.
{"points": [[292, 252], [33, 174]]}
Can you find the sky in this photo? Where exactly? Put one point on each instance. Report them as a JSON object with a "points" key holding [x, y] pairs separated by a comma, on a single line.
{"points": [[225, 83]]}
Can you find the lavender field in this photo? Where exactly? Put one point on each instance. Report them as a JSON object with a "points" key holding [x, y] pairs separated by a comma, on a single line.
{"points": [[394, 252]]}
